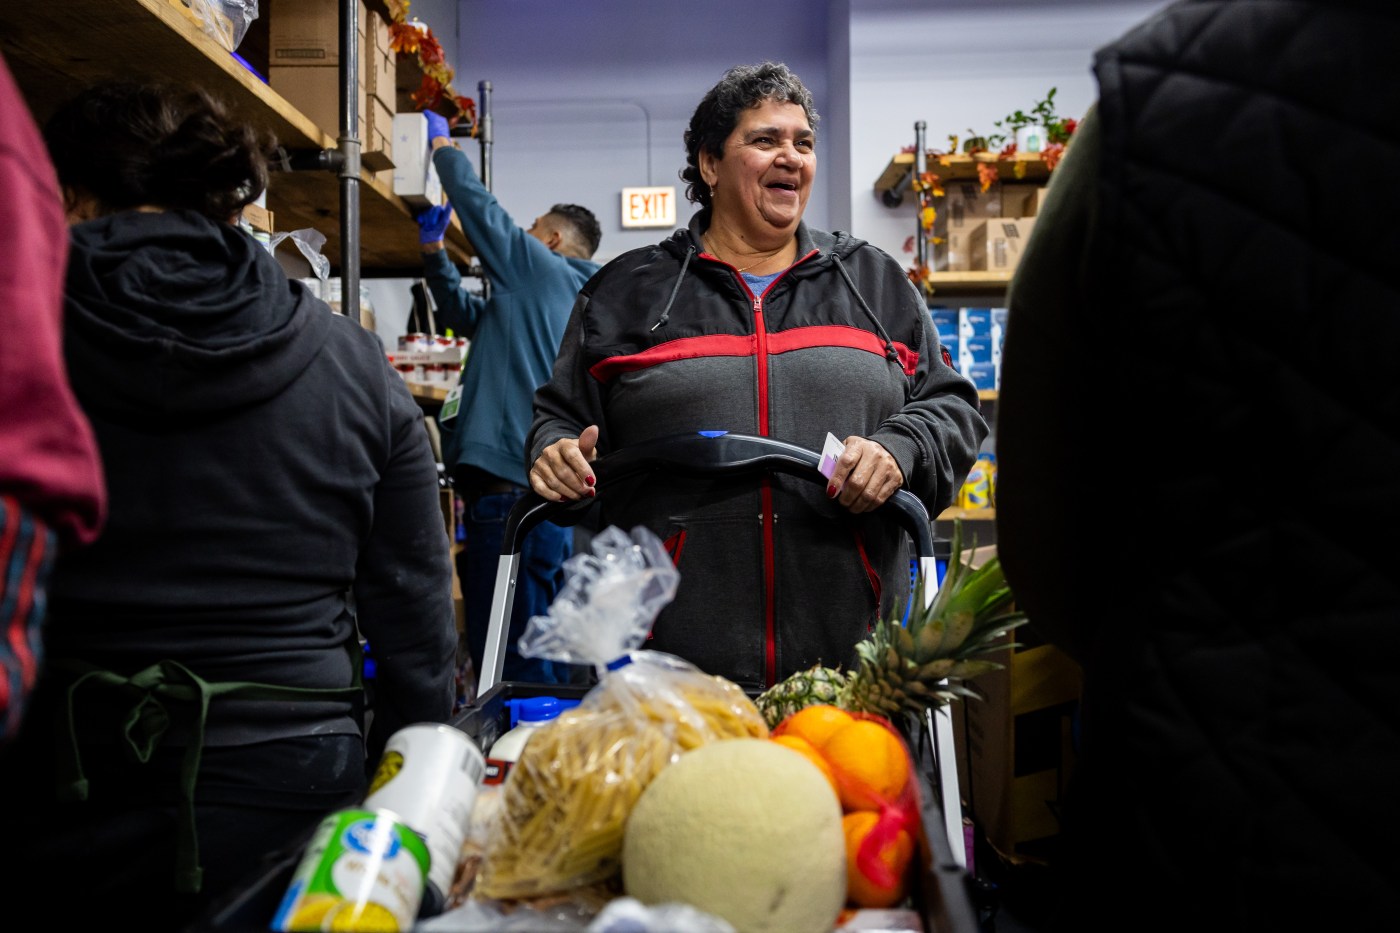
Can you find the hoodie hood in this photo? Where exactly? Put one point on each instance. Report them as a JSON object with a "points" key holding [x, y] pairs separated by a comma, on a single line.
{"points": [[816, 251], [172, 313]]}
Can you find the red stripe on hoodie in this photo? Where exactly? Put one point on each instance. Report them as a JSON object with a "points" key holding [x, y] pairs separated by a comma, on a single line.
{"points": [[840, 335]]}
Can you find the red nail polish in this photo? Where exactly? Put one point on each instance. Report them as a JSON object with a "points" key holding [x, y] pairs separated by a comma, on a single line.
{"points": [[589, 480], [831, 491], [592, 492]]}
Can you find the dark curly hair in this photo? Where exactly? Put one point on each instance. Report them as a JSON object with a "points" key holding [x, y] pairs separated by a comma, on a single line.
{"points": [[742, 87], [130, 144]]}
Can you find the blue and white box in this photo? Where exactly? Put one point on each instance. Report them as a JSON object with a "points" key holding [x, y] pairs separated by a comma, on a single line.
{"points": [[998, 335], [974, 322], [982, 375], [975, 351], [945, 321]]}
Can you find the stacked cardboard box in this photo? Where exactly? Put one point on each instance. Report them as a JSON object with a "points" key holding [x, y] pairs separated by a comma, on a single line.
{"points": [[1016, 749], [304, 67], [984, 231]]}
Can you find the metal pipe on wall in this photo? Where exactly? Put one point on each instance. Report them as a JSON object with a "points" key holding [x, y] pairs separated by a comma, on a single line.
{"points": [[350, 159], [920, 167]]}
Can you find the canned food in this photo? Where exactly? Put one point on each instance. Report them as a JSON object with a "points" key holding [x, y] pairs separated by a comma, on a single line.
{"points": [[363, 870], [429, 776]]}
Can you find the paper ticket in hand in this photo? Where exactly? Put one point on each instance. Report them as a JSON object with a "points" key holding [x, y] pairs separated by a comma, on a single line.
{"points": [[831, 452]]}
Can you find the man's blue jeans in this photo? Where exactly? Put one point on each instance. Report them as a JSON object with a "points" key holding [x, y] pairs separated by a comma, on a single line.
{"points": [[539, 578]]}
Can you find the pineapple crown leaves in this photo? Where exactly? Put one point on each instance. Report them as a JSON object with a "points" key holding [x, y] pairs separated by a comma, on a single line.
{"points": [[964, 619]]}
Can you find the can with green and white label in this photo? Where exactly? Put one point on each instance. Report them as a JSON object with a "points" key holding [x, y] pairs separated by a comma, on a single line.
{"points": [[363, 870]]}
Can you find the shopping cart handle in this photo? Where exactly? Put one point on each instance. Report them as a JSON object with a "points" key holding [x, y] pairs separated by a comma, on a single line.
{"points": [[709, 453], [712, 453]]}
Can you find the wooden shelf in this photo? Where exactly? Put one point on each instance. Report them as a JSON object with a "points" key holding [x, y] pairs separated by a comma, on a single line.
{"points": [[969, 281], [429, 395], [960, 167], [55, 49], [968, 515]]}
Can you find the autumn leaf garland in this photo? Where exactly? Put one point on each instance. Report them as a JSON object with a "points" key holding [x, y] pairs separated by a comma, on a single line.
{"points": [[435, 90]]}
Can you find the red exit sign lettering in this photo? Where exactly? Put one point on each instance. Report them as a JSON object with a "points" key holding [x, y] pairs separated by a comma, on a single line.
{"points": [[649, 207]]}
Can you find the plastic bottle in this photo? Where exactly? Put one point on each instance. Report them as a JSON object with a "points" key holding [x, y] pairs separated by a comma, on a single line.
{"points": [[977, 490], [533, 712]]}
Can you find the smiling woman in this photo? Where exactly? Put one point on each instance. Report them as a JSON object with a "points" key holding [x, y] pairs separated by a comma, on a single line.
{"points": [[752, 322]]}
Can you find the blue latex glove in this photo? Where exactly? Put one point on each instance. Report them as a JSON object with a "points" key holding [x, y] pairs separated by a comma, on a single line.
{"points": [[433, 223], [437, 126]]}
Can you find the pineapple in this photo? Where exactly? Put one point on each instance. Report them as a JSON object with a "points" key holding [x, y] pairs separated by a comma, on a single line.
{"points": [[923, 665]]}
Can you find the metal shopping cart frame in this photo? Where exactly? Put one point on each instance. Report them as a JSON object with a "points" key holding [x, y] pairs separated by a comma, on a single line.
{"points": [[720, 453]]}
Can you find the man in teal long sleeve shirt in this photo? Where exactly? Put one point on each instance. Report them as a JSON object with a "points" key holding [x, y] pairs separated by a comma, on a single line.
{"points": [[535, 275]]}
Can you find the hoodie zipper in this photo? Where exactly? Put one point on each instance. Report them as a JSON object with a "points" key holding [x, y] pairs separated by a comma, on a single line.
{"points": [[770, 621]]}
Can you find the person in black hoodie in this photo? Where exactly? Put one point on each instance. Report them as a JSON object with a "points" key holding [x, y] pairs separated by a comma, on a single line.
{"points": [[273, 500]]}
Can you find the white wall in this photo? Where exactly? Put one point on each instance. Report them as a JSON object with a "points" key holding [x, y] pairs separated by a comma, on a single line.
{"points": [[957, 64], [590, 97]]}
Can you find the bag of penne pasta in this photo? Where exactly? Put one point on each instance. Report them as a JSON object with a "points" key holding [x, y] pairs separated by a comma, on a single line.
{"points": [[566, 800]]}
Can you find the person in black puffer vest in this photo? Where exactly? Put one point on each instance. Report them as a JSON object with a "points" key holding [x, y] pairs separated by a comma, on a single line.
{"points": [[1214, 255]]}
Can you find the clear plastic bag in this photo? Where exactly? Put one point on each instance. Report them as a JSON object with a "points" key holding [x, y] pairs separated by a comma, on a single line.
{"points": [[224, 20], [308, 243], [566, 801]]}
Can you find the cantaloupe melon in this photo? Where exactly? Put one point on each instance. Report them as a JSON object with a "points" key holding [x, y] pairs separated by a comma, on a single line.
{"points": [[744, 829]]}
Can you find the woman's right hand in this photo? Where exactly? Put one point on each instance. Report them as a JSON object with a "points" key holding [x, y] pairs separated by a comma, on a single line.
{"points": [[561, 473]]}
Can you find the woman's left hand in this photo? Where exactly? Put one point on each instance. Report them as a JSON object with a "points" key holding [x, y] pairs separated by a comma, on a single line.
{"points": [[865, 476]]}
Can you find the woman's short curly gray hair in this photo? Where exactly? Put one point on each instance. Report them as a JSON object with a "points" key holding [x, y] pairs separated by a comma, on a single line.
{"points": [[742, 87]]}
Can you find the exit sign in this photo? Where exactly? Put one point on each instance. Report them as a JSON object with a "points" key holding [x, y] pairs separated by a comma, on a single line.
{"points": [[649, 207]]}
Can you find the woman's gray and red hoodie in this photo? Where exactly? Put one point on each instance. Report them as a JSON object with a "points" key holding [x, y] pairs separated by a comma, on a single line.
{"points": [[667, 339]]}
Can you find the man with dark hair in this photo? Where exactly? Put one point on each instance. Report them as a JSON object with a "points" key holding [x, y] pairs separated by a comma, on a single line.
{"points": [[534, 275]]}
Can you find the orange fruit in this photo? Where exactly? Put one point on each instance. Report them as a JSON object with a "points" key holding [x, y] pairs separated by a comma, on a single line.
{"points": [[816, 723], [870, 763], [798, 744], [860, 890]]}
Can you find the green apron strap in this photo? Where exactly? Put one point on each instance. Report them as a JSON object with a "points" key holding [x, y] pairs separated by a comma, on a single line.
{"points": [[149, 718]]}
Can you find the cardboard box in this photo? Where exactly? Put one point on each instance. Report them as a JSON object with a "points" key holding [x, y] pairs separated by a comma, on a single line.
{"points": [[258, 217], [963, 209], [1016, 749], [377, 151], [997, 244], [966, 205], [955, 253], [306, 33], [415, 177], [316, 93], [381, 65], [1022, 200]]}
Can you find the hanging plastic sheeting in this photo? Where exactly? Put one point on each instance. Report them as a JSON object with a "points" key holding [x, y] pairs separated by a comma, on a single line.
{"points": [[224, 20]]}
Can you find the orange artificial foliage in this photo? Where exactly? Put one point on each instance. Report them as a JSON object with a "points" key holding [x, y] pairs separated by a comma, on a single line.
{"points": [[1052, 154], [404, 39], [430, 50], [417, 39], [429, 93], [987, 174]]}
